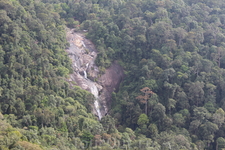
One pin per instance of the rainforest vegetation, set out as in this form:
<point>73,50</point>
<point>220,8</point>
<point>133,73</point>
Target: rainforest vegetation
<point>173,56</point>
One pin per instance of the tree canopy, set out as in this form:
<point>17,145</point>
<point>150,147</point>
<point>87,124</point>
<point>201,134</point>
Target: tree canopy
<point>173,56</point>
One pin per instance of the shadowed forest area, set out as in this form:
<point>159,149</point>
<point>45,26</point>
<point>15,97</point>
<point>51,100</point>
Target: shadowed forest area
<point>173,93</point>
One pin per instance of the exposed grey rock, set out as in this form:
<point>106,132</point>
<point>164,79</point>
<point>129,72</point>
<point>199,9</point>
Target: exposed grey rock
<point>86,74</point>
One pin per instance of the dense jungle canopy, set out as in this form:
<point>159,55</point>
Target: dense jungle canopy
<point>173,56</point>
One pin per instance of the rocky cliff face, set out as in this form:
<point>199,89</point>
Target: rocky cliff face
<point>82,52</point>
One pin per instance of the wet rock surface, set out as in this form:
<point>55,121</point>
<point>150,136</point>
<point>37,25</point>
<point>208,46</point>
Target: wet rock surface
<point>86,74</point>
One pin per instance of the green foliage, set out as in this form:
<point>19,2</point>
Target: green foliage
<point>143,119</point>
<point>173,47</point>
<point>35,96</point>
<point>86,138</point>
<point>11,138</point>
<point>176,48</point>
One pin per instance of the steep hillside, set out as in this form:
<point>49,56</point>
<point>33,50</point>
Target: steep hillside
<point>173,51</point>
<point>173,56</point>
<point>35,97</point>
<point>39,109</point>
<point>87,75</point>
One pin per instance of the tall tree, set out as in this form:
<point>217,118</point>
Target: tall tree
<point>144,98</point>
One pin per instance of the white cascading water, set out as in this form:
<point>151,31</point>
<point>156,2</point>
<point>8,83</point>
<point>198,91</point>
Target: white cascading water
<point>76,54</point>
<point>93,90</point>
<point>85,74</point>
<point>96,103</point>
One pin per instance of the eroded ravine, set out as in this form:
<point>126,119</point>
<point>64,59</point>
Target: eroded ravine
<point>82,52</point>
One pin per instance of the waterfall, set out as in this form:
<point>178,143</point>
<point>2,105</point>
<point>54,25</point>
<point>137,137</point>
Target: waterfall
<point>94,91</point>
<point>81,62</point>
<point>96,103</point>
<point>85,74</point>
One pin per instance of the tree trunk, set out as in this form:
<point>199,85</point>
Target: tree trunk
<point>146,104</point>
<point>146,107</point>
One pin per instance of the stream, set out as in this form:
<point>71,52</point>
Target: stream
<point>83,57</point>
